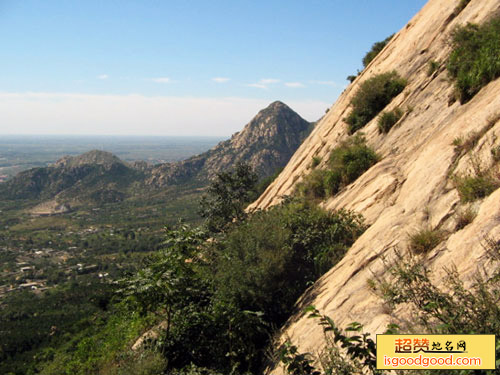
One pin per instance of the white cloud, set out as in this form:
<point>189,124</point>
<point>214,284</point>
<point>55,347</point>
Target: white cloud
<point>72,113</point>
<point>103,76</point>
<point>294,84</point>
<point>161,80</point>
<point>268,81</point>
<point>220,79</point>
<point>263,83</point>
<point>257,85</point>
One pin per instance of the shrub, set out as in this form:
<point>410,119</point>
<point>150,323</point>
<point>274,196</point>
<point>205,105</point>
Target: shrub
<point>432,67</point>
<point>348,161</point>
<point>424,240</point>
<point>465,217</point>
<point>372,97</point>
<point>495,153</point>
<point>460,6</point>
<point>315,161</point>
<point>312,185</point>
<point>388,119</point>
<point>471,188</point>
<point>475,57</point>
<point>268,261</point>
<point>462,310</point>
<point>375,50</point>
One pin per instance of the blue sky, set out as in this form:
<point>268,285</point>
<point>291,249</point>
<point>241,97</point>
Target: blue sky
<point>179,67</point>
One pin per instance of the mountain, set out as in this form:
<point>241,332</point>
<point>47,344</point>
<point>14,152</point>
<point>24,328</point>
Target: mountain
<point>266,143</point>
<point>96,175</point>
<point>412,186</point>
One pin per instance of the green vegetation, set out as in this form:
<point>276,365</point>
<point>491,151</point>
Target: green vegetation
<point>424,240</point>
<point>312,186</point>
<point>347,162</point>
<point>475,58</point>
<point>227,197</point>
<point>388,119</point>
<point>372,97</point>
<point>471,188</point>
<point>465,217</point>
<point>315,161</point>
<point>432,66</point>
<point>222,300</point>
<point>461,6</point>
<point>375,50</point>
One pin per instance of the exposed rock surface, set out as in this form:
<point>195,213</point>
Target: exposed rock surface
<point>266,143</point>
<point>410,187</point>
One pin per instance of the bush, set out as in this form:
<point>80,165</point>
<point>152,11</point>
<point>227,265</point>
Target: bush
<point>268,261</point>
<point>432,67</point>
<point>315,161</point>
<point>424,240</point>
<point>375,50</point>
<point>471,188</point>
<point>388,119</point>
<point>461,6</point>
<point>347,162</point>
<point>372,97</point>
<point>313,185</point>
<point>465,217</point>
<point>475,57</point>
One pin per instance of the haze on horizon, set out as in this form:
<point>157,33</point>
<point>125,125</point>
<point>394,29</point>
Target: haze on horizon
<point>178,69</point>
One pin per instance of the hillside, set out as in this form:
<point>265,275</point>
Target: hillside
<point>96,175</point>
<point>412,186</point>
<point>266,143</point>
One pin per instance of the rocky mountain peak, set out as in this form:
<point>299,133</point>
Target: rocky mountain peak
<point>266,143</point>
<point>93,157</point>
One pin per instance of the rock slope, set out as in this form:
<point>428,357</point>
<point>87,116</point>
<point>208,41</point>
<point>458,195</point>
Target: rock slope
<point>410,188</point>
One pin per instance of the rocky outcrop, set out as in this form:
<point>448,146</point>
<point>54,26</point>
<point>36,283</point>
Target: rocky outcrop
<point>410,187</point>
<point>266,143</point>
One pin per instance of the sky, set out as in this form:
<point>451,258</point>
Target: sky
<point>179,67</point>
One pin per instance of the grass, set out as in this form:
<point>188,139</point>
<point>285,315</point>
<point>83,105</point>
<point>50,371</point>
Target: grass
<point>424,240</point>
<point>471,188</point>
<point>465,217</point>
<point>432,67</point>
<point>475,57</point>
<point>388,119</point>
<point>372,97</point>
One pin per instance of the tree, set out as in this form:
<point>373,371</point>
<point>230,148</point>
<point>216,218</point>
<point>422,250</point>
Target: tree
<point>227,197</point>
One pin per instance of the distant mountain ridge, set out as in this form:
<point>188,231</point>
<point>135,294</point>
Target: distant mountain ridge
<point>266,143</point>
<point>71,176</point>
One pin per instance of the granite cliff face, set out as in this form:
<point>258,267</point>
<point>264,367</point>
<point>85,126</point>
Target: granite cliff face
<point>410,187</point>
<point>266,143</point>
